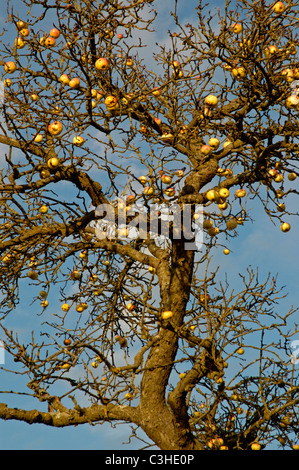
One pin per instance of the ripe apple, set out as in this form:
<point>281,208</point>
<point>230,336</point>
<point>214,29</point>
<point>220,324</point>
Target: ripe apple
<point>166,179</point>
<point>64,79</point>
<point>20,43</point>
<point>272,172</point>
<point>119,36</point>
<point>296,447</point>
<point>211,100</point>
<point>102,64</point>
<point>256,446</point>
<point>278,7</point>
<point>213,231</point>
<point>226,251</point>
<point>21,24</point>
<point>74,83</point>
<point>53,162</point>
<point>148,190</point>
<point>170,192</point>
<point>206,149</point>
<point>43,209</point>
<point>129,62</point>
<point>65,307</point>
<point>211,194</point>
<point>272,49</point>
<point>167,137</point>
<point>142,179</point>
<point>49,42</point>
<point>78,140</point>
<point>240,351</point>
<point>281,207</point>
<point>240,192</point>
<point>292,101</point>
<point>67,342</point>
<point>24,32</point>
<point>32,274</point>
<point>10,67</point>
<point>207,223</point>
<point>38,138</point>
<point>130,306</point>
<point>237,28</point>
<point>214,143</point>
<point>111,102</point>
<point>54,33</point>
<point>55,128</point>
<point>224,192</point>
<point>7,82</point>
<point>80,308</point>
<point>231,224</point>
<point>285,227</point>
<point>44,303</point>
<point>292,176</point>
<point>75,275</point>
<point>34,97</point>
<point>166,314</point>
<point>223,205</point>
<point>278,178</point>
<point>156,91</point>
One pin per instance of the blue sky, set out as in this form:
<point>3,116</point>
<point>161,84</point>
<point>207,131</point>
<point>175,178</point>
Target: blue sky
<point>259,244</point>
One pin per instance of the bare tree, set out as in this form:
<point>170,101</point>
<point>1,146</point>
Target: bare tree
<point>145,332</point>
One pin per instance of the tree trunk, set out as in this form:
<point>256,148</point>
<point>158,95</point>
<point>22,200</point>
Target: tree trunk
<point>162,422</point>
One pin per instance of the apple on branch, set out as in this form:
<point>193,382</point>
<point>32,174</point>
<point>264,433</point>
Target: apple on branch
<point>102,64</point>
<point>10,67</point>
<point>55,128</point>
<point>54,33</point>
<point>74,83</point>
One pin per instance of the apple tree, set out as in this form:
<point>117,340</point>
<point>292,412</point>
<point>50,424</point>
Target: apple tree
<point>105,147</point>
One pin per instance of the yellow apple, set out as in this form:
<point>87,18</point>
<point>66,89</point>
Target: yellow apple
<point>102,64</point>
<point>214,143</point>
<point>74,83</point>
<point>240,351</point>
<point>278,7</point>
<point>237,28</point>
<point>240,192</point>
<point>169,192</point>
<point>55,128</point>
<point>10,67</point>
<point>43,209</point>
<point>53,162</point>
<point>256,446</point>
<point>211,100</point>
<point>166,314</point>
<point>78,140</point>
<point>148,190</point>
<point>49,42</point>
<point>207,223</point>
<point>285,227</point>
<point>65,307</point>
<point>166,179</point>
<point>111,102</point>
<point>38,138</point>
<point>64,79</point>
<point>226,251</point>
<point>292,176</point>
<point>142,179</point>
<point>224,192</point>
